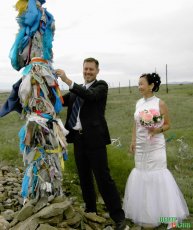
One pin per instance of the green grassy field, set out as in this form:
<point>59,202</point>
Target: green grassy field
<point>119,114</point>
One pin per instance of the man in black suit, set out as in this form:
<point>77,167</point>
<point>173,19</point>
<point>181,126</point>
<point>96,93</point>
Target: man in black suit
<point>90,135</point>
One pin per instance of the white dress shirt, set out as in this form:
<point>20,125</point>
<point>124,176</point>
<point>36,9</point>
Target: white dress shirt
<point>78,125</point>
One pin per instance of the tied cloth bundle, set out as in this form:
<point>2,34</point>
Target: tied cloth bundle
<point>38,98</point>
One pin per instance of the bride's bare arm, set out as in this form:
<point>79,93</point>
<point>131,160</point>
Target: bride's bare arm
<point>166,124</point>
<point>164,112</point>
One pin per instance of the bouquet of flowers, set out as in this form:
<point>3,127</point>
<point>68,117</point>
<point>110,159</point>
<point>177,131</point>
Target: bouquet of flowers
<point>151,118</point>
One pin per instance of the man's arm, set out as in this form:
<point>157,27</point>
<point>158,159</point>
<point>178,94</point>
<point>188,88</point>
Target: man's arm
<point>95,93</point>
<point>91,94</point>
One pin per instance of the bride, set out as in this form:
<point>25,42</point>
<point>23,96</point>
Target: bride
<point>151,195</point>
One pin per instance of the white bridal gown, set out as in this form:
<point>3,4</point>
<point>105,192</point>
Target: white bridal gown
<point>151,191</point>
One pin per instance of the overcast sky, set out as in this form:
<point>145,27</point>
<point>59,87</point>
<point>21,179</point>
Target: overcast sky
<point>127,37</point>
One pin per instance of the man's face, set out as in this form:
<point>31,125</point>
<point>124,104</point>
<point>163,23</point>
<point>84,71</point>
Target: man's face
<point>90,71</point>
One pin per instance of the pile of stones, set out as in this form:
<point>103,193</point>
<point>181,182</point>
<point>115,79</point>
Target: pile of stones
<point>10,188</point>
<point>47,213</point>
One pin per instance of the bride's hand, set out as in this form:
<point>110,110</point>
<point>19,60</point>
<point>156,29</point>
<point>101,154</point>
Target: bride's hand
<point>154,131</point>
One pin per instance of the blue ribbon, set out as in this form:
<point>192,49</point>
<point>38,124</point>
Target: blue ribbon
<point>25,183</point>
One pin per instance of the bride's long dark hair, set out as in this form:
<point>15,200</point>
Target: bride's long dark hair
<point>152,78</point>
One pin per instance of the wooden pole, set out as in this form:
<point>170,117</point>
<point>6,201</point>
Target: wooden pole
<point>167,78</point>
<point>129,86</point>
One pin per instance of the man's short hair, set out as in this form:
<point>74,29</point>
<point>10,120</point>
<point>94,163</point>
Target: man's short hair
<point>90,59</point>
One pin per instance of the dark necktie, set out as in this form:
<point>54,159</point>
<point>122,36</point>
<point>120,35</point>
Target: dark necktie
<point>74,114</point>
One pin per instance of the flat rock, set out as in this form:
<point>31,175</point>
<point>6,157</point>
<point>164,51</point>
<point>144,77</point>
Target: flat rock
<point>46,227</point>
<point>75,220</point>
<point>53,220</point>
<point>8,215</point>
<point>69,212</point>
<point>4,224</point>
<point>53,209</point>
<point>95,218</point>
<point>40,204</point>
<point>25,212</point>
<point>29,224</point>
<point>58,199</point>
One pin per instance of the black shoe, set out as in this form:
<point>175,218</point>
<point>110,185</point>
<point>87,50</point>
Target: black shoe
<point>92,211</point>
<point>122,225</point>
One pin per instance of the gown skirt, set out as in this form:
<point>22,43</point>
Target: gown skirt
<point>151,192</point>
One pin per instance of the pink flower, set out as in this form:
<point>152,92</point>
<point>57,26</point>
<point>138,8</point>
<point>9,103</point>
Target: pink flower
<point>154,112</point>
<point>146,116</point>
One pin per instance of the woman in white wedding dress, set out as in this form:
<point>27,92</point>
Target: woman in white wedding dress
<point>151,194</point>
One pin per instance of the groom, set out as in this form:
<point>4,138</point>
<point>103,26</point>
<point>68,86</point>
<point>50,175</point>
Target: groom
<point>90,135</point>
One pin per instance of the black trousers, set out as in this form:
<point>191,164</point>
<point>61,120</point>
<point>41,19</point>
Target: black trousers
<point>94,161</point>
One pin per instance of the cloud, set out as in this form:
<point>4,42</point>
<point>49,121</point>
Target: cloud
<point>127,37</point>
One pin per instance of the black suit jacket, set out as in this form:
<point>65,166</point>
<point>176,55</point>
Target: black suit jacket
<point>92,113</point>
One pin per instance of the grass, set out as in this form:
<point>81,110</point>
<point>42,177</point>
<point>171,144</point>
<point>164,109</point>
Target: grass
<point>119,114</point>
